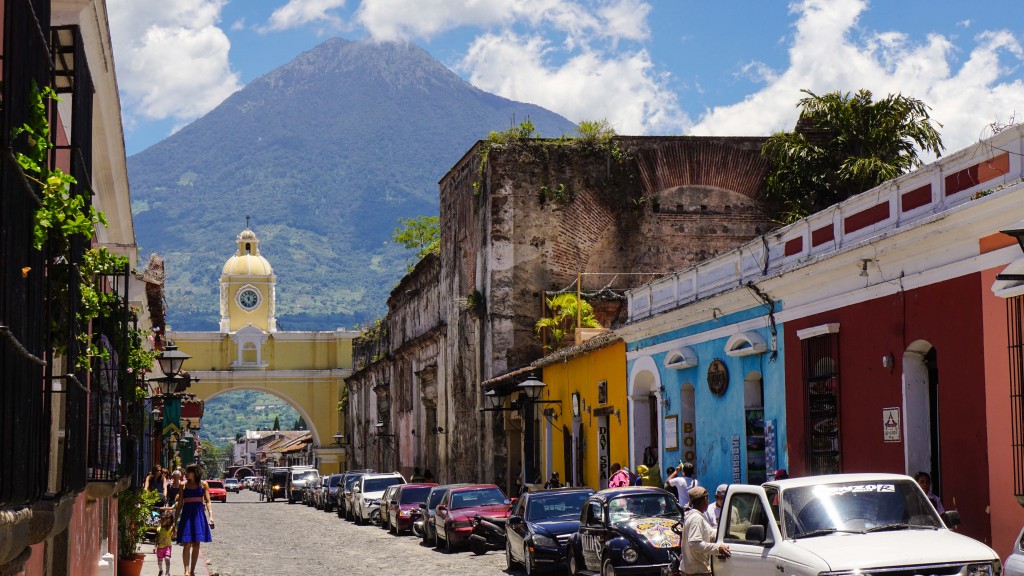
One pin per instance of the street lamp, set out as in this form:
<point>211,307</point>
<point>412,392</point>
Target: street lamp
<point>494,399</point>
<point>170,360</point>
<point>532,387</point>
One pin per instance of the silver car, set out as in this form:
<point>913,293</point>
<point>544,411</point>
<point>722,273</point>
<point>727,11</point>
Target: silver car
<point>1014,565</point>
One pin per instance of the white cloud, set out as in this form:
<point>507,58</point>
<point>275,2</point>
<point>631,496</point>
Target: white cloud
<point>622,88</point>
<point>301,12</point>
<point>826,55</point>
<point>579,21</point>
<point>171,57</point>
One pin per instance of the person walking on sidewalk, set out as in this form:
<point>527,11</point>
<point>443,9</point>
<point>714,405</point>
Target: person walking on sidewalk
<point>682,484</point>
<point>194,517</point>
<point>164,539</point>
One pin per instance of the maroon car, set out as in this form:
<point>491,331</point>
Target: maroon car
<point>453,518</point>
<point>404,507</point>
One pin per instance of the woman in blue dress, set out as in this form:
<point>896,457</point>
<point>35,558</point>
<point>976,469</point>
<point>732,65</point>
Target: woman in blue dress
<point>195,516</point>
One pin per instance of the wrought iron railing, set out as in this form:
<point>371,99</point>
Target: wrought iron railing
<point>24,428</point>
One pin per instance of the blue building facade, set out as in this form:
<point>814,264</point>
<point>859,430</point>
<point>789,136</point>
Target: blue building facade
<point>712,393</point>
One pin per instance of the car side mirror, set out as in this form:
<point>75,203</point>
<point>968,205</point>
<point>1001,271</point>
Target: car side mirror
<point>423,506</point>
<point>515,520</point>
<point>951,518</point>
<point>755,533</point>
<point>355,490</point>
<point>441,507</point>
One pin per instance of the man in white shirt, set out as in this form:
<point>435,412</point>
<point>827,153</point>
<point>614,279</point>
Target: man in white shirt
<point>696,543</point>
<point>714,513</point>
<point>682,484</point>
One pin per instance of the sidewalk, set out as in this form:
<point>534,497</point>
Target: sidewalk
<point>150,567</point>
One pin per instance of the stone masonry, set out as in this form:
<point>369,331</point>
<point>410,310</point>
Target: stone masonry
<point>538,213</point>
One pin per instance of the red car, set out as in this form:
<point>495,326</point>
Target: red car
<point>453,518</point>
<point>404,507</point>
<point>217,491</point>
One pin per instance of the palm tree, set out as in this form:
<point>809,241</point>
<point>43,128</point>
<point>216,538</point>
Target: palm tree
<point>844,144</point>
<point>564,309</point>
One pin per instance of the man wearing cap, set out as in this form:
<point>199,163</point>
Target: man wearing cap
<point>696,543</point>
<point>714,513</point>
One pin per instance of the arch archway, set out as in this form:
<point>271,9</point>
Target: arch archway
<point>921,411</point>
<point>303,412</point>
<point>643,392</point>
<point>243,472</point>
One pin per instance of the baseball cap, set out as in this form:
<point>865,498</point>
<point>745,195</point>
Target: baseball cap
<point>722,488</point>
<point>697,492</point>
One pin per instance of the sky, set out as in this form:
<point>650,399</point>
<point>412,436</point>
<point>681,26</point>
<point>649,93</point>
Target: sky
<point>649,67</point>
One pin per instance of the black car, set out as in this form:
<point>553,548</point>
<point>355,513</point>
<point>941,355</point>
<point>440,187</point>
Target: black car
<point>331,495</point>
<point>540,525</point>
<point>426,522</point>
<point>625,530</point>
<point>344,493</point>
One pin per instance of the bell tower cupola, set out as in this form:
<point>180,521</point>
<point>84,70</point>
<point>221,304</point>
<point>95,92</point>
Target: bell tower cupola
<point>248,295</point>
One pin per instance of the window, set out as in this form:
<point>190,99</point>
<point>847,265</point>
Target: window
<point>821,393</point>
<point>745,511</point>
<point>592,514</point>
<point>1015,331</point>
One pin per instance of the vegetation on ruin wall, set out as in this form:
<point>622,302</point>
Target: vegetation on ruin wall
<point>371,345</point>
<point>591,138</point>
<point>564,313</point>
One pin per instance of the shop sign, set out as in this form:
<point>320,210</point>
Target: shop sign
<point>718,377</point>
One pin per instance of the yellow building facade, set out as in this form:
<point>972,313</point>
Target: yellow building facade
<point>306,369</point>
<point>588,429</point>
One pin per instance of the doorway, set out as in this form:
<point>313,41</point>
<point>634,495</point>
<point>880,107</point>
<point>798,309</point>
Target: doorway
<point>921,412</point>
<point>753,410</point>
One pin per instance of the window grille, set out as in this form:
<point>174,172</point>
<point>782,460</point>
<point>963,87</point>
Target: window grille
<point>24,426</point>
<point>821,393</point>
<point>1015,341</point>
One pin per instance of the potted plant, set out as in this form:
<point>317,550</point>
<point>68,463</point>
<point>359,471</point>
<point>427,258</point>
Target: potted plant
<point>133,509</point>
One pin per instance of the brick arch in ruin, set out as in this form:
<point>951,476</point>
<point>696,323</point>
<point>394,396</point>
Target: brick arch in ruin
<point>703,192</point>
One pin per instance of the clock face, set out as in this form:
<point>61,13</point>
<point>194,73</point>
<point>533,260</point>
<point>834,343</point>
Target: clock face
<point>248,298</point>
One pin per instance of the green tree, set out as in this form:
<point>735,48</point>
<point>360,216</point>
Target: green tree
<point>300,424</point>
<point>422,234</point>
<point>844,144</point>
<point>277,423</point>
<point>561,321</point>
<point>211,459</point>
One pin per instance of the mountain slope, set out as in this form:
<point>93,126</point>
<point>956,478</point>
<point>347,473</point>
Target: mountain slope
<point>325,153</point>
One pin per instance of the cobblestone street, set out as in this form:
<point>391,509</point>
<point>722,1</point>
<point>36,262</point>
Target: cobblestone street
<point>255,538</point>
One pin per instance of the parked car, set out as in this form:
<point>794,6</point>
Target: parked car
<point>453,517</point>
<point>331,494</point>
<point>625,530</point>
<point>1014,565</point>
<point>309,496</point>
<point>217,491</point>
<point>385,501</point>
<point>345,492</point>
<point>539,526</point>
<point>277,479</point>
<point>367,493</point>
<point>844,523</point>
<point>231,485</point>
<point>424,527</point>
<point>318,493</point>
<point>404,507</point>
<point>299,478</point>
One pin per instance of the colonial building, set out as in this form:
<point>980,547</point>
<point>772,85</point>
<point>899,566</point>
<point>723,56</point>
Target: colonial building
<point>519,222</point>
<point>883,334</point>
<point>72,432</point>
<point>306,369</point>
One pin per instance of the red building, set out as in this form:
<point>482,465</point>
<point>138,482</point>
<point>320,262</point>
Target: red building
<point>896,341</point>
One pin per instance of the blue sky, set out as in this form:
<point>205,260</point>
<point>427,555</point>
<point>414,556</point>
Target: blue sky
<point>648,66</point>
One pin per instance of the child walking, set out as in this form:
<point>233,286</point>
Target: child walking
<point>164,537</point>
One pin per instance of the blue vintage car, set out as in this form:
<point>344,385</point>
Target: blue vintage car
<point>625,531</point>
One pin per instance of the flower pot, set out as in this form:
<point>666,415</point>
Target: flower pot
<point>130,567</point>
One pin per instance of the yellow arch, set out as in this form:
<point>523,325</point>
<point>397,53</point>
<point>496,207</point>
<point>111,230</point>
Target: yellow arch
<point>305,369</point>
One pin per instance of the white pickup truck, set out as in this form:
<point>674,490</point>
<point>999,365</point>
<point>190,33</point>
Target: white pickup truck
<point>844,524</point>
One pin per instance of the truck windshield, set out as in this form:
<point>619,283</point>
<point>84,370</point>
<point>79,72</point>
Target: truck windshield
<point>856,507</point>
